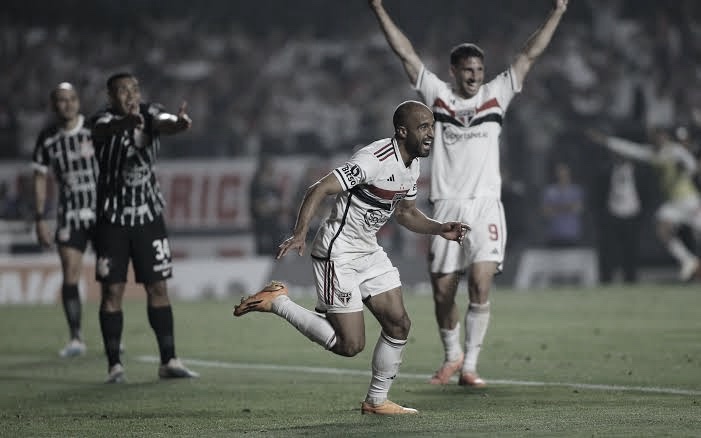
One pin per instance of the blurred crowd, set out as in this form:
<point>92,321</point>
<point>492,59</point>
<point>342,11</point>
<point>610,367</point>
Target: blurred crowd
<point>320,79</point>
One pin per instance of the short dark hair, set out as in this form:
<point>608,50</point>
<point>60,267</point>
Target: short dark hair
<point>117,76</point>
<point>465,50</point>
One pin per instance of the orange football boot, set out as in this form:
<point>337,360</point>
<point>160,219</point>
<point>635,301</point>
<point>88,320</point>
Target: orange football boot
<point>386,408</point>
<point>446,371</point>
<point>261,301</point>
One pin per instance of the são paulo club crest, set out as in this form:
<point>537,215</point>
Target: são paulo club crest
<point>374,218</point>
<point>343,296</point>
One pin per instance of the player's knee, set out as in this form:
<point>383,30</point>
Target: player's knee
<point>442,297</point>
<point>444,287</point>
<point>399,328</point>
<point>111,296</point>
<point>157,289</point>
<point>404,326</point>
<point>350,347</point>
<point>72,274</point>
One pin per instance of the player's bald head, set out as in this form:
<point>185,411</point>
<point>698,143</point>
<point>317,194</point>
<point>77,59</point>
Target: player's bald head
<point>63,86</point>
<point>406,110</point>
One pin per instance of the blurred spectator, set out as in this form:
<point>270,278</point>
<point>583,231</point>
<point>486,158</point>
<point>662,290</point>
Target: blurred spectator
<point>675,166</point>
<point>8,202</point>
<point>267,209</point>
<point>513,196</point>
<point>618,198</point>
<point>562,207</point>
<point>262,84</point>
<point>8,132</point>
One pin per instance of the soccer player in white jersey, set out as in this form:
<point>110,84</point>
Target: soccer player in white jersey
<point>350,267</point>
<point>466,179</point>
<point>676,167</point>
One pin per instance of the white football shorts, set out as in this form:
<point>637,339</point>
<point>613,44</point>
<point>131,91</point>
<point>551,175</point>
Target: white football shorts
<point>485,242</point>
<point>341,287</point>
<point>682,211</point>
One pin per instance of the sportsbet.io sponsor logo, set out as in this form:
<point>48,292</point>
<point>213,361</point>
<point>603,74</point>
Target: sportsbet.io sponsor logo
<point>351,173</point>
<point>452,136</point>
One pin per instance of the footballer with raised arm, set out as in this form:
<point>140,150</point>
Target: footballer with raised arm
<point>466,179</point>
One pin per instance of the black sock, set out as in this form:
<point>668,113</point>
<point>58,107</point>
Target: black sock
<point>72,308</point>
<point>111,324</point>
<point>161,320</point>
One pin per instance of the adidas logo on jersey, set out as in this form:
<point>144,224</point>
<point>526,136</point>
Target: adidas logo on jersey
<point>495,251</point>
<point>391,178</point>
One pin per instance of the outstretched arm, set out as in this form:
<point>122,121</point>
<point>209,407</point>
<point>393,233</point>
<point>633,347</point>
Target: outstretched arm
<point>537,43</point>
<point>328,185</point>
<point>107,125</point>
<point>399,43</point>
<point>415,220</point>
<point>625,148</point>
<point>172,124</point>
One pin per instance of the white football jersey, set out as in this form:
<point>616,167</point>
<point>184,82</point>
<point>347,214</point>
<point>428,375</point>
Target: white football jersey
<point>375,179</point>
<point>465,153</point>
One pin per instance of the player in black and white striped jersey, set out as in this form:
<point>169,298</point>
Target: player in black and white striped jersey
<point>65,146</point>
<point>130,223</point>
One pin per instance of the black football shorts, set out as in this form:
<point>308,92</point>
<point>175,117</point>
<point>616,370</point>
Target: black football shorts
<point>145,245</point>
<point>77,238</point>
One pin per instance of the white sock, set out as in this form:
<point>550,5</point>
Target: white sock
<point>476,322</point>
<point>679,251</point>
<point>451,343</point>
<point>310,324</point>
<point>385,365</point>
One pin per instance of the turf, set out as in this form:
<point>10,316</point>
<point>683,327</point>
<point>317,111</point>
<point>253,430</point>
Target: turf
<point>619,361</point>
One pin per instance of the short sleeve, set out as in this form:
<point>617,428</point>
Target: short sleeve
<point>429,86</point>
<point>361,168</point>
<point>40,156</point>
<point>504,87</point>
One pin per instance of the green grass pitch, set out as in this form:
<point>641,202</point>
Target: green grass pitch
<point>617,361</point>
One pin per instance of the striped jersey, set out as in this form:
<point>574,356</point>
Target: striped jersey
<point>71,157</point>
<point>374,180</point>
<point>128,190</point>
<point>465,152</point>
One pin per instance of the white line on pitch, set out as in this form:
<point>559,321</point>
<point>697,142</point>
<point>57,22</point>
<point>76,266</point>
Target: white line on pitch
<point>349,372</point>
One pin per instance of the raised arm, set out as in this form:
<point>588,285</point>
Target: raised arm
<point>415,220</point>
<point>328,185</point>
<point>538,42</point>
<point>398,42</point>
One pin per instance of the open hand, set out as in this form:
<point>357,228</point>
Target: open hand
<point>560,5</point>
<point>291,243</point>
<point>184,121</point>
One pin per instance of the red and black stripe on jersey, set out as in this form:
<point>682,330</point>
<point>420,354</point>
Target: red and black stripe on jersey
<point>386,152</point>
<point>128,190</point>
<point>71,158</point>
<point>377,197</point>
<point>449,115</point>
